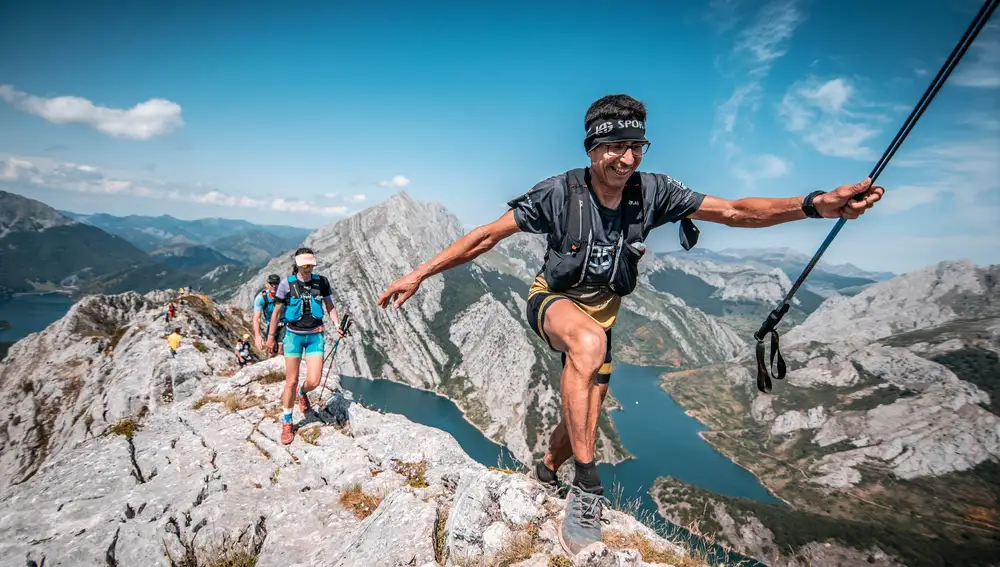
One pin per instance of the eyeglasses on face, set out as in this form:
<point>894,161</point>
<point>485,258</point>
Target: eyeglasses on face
<point>618,149</point>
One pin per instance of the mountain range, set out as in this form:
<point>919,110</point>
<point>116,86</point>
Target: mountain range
<point>237,240</point>
<point>464,335</point>
<point>890,403</point>
<point>890,399</point>
<point>42,249</point>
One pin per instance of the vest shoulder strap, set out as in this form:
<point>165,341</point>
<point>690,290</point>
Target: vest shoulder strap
<point>579,217</point>
<point>634,209</point>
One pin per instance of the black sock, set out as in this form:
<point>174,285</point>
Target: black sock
<point>586,477</point>
<point>544,473</point>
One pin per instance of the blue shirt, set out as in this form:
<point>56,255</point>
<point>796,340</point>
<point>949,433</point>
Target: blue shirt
<point>258,306</point>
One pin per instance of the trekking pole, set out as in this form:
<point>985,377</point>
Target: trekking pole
<point>771,322</point>
<point>345,325</point>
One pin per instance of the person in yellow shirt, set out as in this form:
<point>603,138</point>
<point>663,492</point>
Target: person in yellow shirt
<point>174,340</point>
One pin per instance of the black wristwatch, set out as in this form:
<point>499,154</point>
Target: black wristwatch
<point>807,205</point>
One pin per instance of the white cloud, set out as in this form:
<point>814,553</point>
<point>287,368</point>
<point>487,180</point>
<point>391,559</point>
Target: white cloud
<point>766,39</point>
<point>825,114</point>
<point>967,171</point>
<point>755,49</point>
<point>88,179</point>
<point>396,182</point>
<point>980,67</point>
<point>760,168</point>
<point>145,120</point>
<point>331,195</point>
<point>356,198</point>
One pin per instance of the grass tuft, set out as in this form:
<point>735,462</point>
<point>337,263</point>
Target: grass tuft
<point>651,553</point>
<point>126,427</point>
<point>414,472</point>
<point>359,502</point>
<point>310,434</point>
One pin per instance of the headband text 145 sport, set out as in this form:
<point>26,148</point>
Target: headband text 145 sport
<point>614,130</point>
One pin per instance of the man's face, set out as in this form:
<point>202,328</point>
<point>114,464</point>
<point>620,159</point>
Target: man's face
<point>306,270</point>
<point>613,163</point>
<point>271,288</point>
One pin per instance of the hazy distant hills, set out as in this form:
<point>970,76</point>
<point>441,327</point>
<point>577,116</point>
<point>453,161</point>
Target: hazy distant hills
<point>43,249</point>
<point>235,240</point>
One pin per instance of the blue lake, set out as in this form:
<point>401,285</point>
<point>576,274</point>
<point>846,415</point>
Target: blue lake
<point>31,314</point>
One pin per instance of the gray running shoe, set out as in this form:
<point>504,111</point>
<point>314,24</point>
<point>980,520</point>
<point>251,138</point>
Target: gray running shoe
<point>582,524</point>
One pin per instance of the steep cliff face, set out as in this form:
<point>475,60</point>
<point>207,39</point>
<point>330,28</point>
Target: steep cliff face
<point>464,333</point>
<point>126,455</point>
<point>890,401</point>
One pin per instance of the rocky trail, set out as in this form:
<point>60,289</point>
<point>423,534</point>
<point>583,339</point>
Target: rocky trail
<point>148,459</point>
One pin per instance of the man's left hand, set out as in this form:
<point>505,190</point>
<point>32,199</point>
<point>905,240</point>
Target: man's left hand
<point>840,202</point>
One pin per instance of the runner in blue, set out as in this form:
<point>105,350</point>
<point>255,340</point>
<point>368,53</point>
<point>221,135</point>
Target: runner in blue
<point>263,308</point>
<point>300,301</point>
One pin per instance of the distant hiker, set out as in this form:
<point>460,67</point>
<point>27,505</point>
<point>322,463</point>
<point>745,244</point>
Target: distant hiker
<point>171,311</point>
<point>174,341</point>
<point>300,300</point>
<point>596,220</point>
<point>263,308</point>
<point>243,356</point>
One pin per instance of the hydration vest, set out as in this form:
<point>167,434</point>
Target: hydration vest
<point>305,303</point>
<point>268,309</point>
<point>566,261</point>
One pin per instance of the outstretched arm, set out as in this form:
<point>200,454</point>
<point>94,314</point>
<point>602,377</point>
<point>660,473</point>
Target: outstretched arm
<point>757,212</point>
<point>479,240</point>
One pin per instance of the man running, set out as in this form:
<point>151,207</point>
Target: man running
<point>596,220</point>
<point>263,308</point>
<point>300,301</point>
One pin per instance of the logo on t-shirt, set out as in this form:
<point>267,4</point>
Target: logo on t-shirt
<point>600,259</point>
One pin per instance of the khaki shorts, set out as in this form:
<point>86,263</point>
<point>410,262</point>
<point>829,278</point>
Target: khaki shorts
<point>538,304</point>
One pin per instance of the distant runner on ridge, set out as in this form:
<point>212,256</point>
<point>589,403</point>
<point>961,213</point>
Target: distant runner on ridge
<point>263,308</point>
<point>596,220</point>
<point>300,300</point>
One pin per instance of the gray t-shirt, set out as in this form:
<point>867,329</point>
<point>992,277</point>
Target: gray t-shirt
<point>542,210</point>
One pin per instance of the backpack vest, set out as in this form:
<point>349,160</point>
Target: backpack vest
<point>269,302</point>
<point>305,305</point>
<point>566,261</point>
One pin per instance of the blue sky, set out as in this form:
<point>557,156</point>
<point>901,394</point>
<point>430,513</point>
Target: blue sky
<point>304,116</point>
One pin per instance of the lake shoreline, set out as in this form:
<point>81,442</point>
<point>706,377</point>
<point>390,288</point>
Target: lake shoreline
<point>701,434</point>
<point>465,416</point>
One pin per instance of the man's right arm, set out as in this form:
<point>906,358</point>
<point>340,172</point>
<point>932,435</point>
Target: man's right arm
<point>467,248</point>
<point>477,241</point>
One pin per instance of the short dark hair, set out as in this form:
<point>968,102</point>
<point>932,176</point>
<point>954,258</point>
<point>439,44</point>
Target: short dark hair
<point>274,279</point>
<point>615,106</point>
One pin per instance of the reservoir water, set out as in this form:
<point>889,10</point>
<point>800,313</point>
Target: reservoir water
<point>31,313</point>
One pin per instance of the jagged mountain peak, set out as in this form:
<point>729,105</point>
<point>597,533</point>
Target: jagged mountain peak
<point>915,300</point>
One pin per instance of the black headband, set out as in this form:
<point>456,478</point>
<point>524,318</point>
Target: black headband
<point>614,130</point>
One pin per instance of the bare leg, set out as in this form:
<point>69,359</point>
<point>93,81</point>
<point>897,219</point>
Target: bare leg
<point>314,371</point>
<point>572,331</point>
<point>560,449</point>
<point>291,381</point>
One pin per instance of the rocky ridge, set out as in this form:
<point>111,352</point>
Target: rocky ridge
<point>127,455</point>
<point>888,402</point>
<point>464,334</point>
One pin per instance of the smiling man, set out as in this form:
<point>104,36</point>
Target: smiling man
<point>596,220</point>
